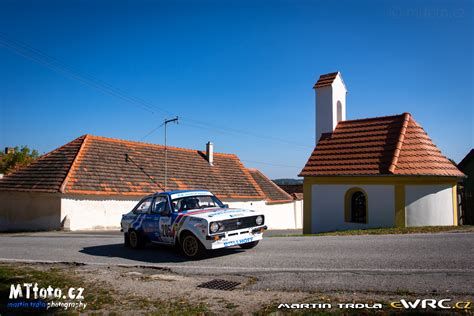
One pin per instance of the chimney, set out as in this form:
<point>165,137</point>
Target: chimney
<point>330,103</point>
<point>9,150</point>
<point>210,153</point>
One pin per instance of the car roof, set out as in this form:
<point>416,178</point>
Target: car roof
<point>180,192</point>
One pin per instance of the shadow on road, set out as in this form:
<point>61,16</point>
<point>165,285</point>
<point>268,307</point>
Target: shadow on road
<point>151,253</point>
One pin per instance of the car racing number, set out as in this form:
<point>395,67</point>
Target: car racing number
<point>165,229</point>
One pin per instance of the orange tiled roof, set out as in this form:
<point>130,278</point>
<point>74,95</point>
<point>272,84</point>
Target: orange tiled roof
<point>272,191</point>
<point>106,166</point>
<point>326,80</point>
<point>47,173</point>
<point>390,145</point>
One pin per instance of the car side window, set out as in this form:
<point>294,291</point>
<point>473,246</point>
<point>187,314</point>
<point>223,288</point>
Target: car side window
<point>159,204</point>
<point>144,206</point>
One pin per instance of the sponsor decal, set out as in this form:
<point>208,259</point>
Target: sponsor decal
<point>231,213</point>
<point>32,296</point>
<point>195,220</point>
<point>237,242</point>
<point>184,194</point>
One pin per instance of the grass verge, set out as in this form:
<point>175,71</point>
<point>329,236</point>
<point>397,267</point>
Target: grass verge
<point>99,297</point>
<point>389,231</point>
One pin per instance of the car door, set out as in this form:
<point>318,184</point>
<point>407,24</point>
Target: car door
<point>151,220</point>
<point>165,221</point>
<point>139,214</point>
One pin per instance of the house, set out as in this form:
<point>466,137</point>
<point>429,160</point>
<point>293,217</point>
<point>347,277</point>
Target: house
<point>91,181</point>
<point>295,190</point>
<point>467,201</point>
<point>373,172</point>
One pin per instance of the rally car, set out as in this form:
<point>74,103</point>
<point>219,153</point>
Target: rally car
<point>194,220</point>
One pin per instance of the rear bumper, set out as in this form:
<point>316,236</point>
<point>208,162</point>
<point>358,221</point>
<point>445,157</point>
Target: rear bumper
<point>234,238</point>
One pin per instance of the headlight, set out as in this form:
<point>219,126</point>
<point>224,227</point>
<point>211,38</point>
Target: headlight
<point>214,227</point>
<point>259,220</point>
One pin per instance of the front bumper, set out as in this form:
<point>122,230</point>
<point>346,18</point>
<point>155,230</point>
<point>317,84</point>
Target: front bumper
<point>234,238</point>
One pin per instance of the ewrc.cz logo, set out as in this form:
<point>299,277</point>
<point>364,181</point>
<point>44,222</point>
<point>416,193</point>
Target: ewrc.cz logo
<point>431,303</point>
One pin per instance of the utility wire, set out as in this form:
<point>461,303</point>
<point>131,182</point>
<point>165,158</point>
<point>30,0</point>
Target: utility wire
<point>152,131</point>
<point>234,131</point>
<point>270,164</point>
<point>48,61</point>
<point>222,131</point>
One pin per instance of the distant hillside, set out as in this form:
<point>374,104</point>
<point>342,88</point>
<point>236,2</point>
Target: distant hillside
<point>288,181</point>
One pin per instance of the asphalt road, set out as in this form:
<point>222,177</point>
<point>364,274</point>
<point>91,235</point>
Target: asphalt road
<point>418,263</point>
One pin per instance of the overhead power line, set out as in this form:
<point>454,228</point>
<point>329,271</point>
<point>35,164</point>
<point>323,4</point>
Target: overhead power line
<point>270,164</point>
<point>52,63</point>
<point>152,131</point>
<point>237,133</point>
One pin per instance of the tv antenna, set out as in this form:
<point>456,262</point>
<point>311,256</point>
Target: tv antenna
<point>175,120</point>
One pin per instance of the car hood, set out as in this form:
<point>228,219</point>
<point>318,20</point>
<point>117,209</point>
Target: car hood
<point>219,214</point>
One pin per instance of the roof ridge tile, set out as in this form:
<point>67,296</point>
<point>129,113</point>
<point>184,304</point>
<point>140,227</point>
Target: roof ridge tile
<point>398,146</point>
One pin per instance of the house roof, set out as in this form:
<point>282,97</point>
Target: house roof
<point>466,160</point>
<point>47,173</point>
<point>390,145</point>
<point>297,196</point>
<point>326,80</point>
<point>291,188</point>
<point>273,192</point>
<point>107,166</point>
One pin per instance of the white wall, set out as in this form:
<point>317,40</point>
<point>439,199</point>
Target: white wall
<point>328,207</point>
<point>90,212</point>
<point>277,216</point>
<point>429,205</point>
<point>324,111</point>
<point>23,211</point>
<point>326,106</point>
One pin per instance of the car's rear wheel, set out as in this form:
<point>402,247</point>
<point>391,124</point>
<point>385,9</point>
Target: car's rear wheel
<point>249,245</point>
<point>135,239</point>
<point>191,246</point>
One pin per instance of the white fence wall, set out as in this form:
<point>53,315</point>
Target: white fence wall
<point>24,211</point>
<point>277,216</point>
<point>88,213</point>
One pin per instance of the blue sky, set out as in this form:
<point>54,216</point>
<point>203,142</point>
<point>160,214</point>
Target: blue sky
<point>232,65</point>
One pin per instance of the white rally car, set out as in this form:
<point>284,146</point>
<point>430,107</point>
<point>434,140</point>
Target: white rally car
<point>195,220</point>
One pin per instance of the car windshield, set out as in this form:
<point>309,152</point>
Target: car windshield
<point>195,202</point>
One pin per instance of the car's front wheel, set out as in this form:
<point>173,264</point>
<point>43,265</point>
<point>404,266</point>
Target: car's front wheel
<point>135,240</point>
<point>249,245</point>
<point>126,240</point>
<point>191,246</point>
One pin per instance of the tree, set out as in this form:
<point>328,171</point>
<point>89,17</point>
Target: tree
<point>16,159</point>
